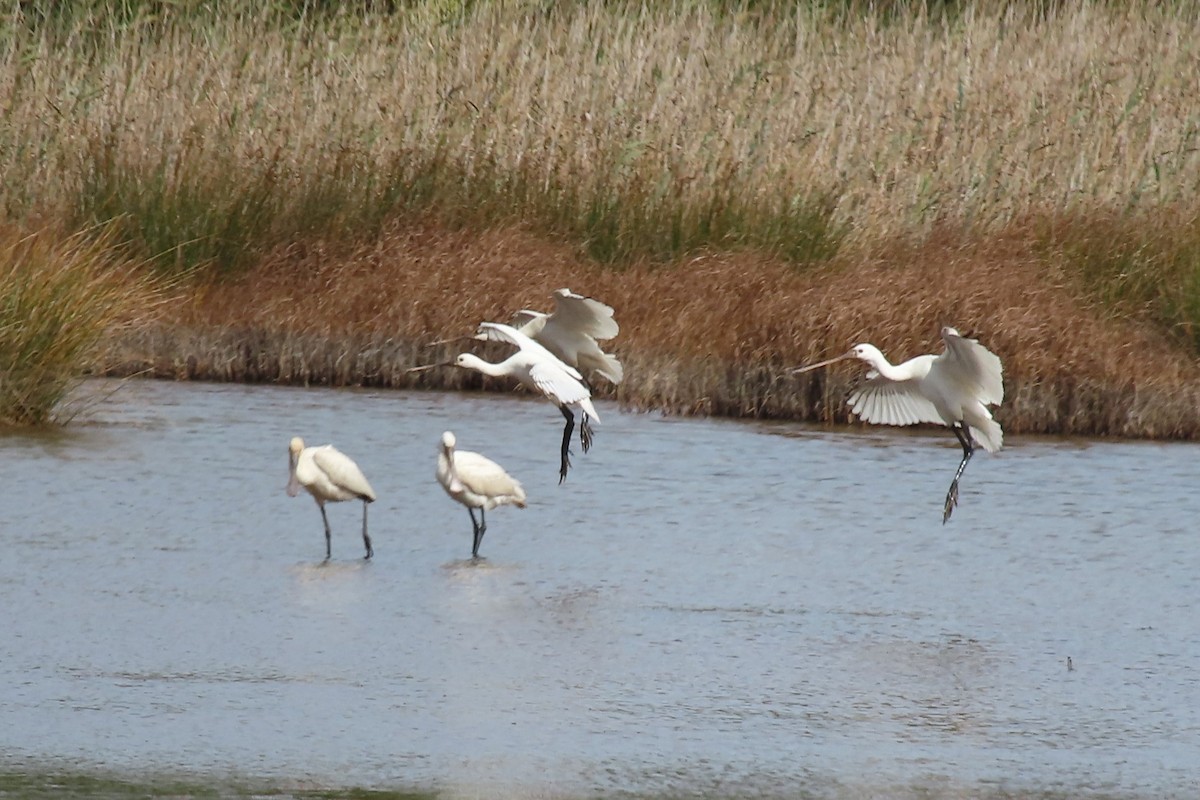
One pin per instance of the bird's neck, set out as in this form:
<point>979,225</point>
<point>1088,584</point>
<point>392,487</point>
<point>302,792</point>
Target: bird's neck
<point>888,370</point>
<point>479,365</point>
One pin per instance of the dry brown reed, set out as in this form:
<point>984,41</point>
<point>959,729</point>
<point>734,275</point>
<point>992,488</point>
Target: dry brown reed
<point>713,334</point>
<point>387,182</point>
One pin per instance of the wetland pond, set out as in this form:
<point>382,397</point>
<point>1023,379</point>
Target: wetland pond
<point>704,608</point>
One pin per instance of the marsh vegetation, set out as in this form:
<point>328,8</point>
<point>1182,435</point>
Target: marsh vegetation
<point>751,184</point>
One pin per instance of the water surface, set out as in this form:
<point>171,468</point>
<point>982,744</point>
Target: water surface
<point>704,606</point>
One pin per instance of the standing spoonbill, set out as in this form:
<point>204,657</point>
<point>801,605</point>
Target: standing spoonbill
<point>329,475</point>
<point>476,482</point>
<point>540,370</point>
<point>571,332</point>
<point>954,388</point>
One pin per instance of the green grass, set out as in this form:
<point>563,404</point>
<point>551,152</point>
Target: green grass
<point>1141,265</point>
<point>59,297</point>
<point>71,785</point>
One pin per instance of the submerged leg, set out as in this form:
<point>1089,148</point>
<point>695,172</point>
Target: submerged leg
<point>963,432</point>
<point>366,539</point>
<point>566,442</point>
<point>585,433</point>
<point>325,519</point>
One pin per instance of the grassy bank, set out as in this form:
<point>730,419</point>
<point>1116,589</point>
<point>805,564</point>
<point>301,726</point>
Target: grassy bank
<point>750,185</point>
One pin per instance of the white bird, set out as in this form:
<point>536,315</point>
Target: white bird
<point>329,475</point>
<point>571,333</point>
<point>476,482</point>
<point>954,388</point>
<point>543,372</point>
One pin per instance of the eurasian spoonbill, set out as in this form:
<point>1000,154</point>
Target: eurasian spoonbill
<point>476,482</point>
<point>329,475</point>
<point>572,330</point>
<point>543,372</point>
<point>954,388</point>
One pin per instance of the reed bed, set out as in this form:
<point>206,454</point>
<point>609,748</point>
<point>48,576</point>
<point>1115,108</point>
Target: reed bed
<point>635,131</point>
<point>363,314</point>
<point>750,185</point>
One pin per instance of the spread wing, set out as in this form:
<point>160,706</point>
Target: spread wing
<point>583,315</point>
<point>888,402</point>
<point>529,322</point>
<point>973,367</point>
<point>342,471</point>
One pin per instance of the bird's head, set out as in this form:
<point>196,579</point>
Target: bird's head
<point>866,352</point>
<point>295,446</point>
<point>448,441</point>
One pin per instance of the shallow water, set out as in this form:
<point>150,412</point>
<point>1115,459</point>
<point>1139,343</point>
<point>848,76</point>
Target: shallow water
<point>704,606</point>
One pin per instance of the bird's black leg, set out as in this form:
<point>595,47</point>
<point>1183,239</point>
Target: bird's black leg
<point>480,532</point>
<point>366,539</point>
<point>566,442</point>
<point>963,432</point>
<point>585,432</point>
<point>476,531</point>
<point>325,519</point>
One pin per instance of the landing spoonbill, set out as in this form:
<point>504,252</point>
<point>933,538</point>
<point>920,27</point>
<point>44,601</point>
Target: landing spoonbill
<point>476,482</point>
<point>954,388</point>
<point>329,475</point>
<point>572,330</point>
<point>540,370</point>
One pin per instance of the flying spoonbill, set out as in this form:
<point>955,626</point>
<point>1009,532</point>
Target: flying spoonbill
<point>954,388</point>
<point>476,482</point>
<point>572,330</point>
<point>543,372</point>
<point>329,475</point>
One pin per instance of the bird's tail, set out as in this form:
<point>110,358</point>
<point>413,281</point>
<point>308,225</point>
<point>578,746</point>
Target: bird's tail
<point>984,429</point>
<point>589,409</point>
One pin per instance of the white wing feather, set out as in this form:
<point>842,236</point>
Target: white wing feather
<point>887,402</point>
<point>342,471</point>
<point>973,367</point>
<point>584,315</point>
<point>552,382</point>
<point>529,322</point>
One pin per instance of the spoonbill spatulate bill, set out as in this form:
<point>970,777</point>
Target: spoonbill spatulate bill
<point>477,482</point>
<point>572,331</point>
<point>540,371</point>
<point>330,476</point>
<point>954,388</point>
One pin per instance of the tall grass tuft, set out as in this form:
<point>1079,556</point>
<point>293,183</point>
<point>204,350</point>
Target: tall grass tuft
<point>59,297</point>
